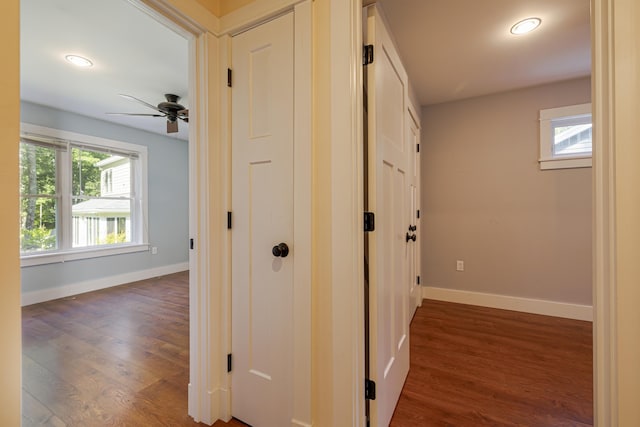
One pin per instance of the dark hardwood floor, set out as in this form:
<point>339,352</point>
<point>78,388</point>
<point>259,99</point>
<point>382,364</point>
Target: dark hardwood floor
<point>120,357</point>
<point>475,366</point>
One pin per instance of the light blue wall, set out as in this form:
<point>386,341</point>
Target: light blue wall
<point>168,203</point>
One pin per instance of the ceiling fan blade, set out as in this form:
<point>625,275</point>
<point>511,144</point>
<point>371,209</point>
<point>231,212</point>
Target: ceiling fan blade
<point>136,114</point>
<point>183,115</point>
<point>172,126</point>
<point>133,98</point>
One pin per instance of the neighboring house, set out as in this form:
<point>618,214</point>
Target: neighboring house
<point>106,219</point>
<point>574,140</point>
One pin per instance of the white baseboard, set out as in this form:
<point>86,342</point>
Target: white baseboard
<point>526,305</point>
<point>64,291</point>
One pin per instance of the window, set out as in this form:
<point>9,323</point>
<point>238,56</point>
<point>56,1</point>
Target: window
<point>565,137</point>
<point>80,196</point>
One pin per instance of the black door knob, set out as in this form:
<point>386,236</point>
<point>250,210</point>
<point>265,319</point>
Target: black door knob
<point>280,250</point>
<point>411,237</point>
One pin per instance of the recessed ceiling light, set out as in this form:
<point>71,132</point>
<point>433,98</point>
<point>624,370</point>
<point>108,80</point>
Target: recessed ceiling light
<point>525,26</point>
<point>79,61</point>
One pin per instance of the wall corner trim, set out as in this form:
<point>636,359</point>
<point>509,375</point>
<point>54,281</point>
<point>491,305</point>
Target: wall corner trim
<point>504,302</point>
<point>35,297</point>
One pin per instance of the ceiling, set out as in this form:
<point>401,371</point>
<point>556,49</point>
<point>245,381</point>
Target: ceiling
<point>452,49</point>
<point>132,53</point>
<point>456,49</point>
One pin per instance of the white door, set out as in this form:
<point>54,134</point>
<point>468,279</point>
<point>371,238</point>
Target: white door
<point>262,200</point>
<point>415,292</point>
<point>389,199</point>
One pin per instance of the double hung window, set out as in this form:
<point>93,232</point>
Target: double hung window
<point>80,196</point>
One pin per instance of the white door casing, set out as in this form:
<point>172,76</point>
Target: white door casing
<point>389,196</point>
<point>262,206</point>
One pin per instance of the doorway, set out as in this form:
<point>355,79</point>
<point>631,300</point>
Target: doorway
<point>168,247</point>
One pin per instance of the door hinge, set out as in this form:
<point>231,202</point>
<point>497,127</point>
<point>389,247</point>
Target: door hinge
<point>369,221</point>
<point>418,148</point>
<point>418,213</point>
<point>367,54</point>
<point>191,243</point>
<point>418,280</point>
<point>229,77</point>
<point>229,362</point>
<point>229,220</point>
<point>369,390</point>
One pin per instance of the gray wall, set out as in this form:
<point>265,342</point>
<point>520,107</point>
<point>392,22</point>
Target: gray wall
<point>168,202</point>
<point>521,232</point>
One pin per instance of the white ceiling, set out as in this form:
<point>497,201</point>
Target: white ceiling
<point>456,49</point>
<point>133,54</point>
<point>452,49</point>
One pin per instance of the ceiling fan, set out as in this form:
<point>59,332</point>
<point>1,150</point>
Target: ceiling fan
<point>169,109</point>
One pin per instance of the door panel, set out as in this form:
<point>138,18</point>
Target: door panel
<point>415,291</point>
<point>388,196</point>
<point>262,200</point>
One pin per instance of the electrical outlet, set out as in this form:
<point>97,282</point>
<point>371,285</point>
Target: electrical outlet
<point>459,265</point>
<point>154,250</point>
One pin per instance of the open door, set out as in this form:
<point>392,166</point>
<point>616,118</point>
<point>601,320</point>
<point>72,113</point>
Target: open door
<point>413,133</point>
<point>389,245</point>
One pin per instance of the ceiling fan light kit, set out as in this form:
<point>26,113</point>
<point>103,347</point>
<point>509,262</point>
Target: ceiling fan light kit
<point>170,109</point>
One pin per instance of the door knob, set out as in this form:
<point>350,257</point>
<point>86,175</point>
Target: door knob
<point>413,227</point>
<point>280,250</point>
<point>411,237</point>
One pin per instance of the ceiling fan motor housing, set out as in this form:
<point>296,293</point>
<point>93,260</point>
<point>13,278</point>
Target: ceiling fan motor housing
<point>171,106</point>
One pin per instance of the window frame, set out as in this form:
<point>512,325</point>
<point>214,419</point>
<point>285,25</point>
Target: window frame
<point>547,159</point>
<point>139,214</point>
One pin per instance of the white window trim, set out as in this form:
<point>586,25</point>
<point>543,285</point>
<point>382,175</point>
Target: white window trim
<point>547,160</point>
<point>141,235</point>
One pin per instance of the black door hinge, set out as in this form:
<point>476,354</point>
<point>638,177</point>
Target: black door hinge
<point>229,362</point>
<point>418,280</point>
<point>418,148</point>
<point>418,213</point>
<point>369,221</point>
<point>369,390</point>
<point>229,77</point>
<point>367,54</point>
<point>191,243</point>
<point>229,220</point>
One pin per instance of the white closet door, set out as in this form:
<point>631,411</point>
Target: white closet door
<point>415,291</point>
<point>262,200</point>
<point>390,200</point>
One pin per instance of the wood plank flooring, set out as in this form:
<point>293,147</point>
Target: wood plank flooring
<point>120,357</point>
<point>475,366</point>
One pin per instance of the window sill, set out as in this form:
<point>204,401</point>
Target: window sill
<point>564,163</point>
<point>78,254</point>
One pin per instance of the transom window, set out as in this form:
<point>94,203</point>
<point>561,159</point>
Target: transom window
<point>566,137</point>
<point>80,196</point>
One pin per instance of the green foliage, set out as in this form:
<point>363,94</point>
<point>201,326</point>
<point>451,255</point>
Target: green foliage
<point>39,192</point>
<point>37,177</point>
<point>37,239</point>
<point>85,175</point>
<point>114,238</point>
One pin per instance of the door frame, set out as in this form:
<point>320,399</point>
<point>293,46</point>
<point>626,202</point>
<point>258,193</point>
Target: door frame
<point>206,260</point>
